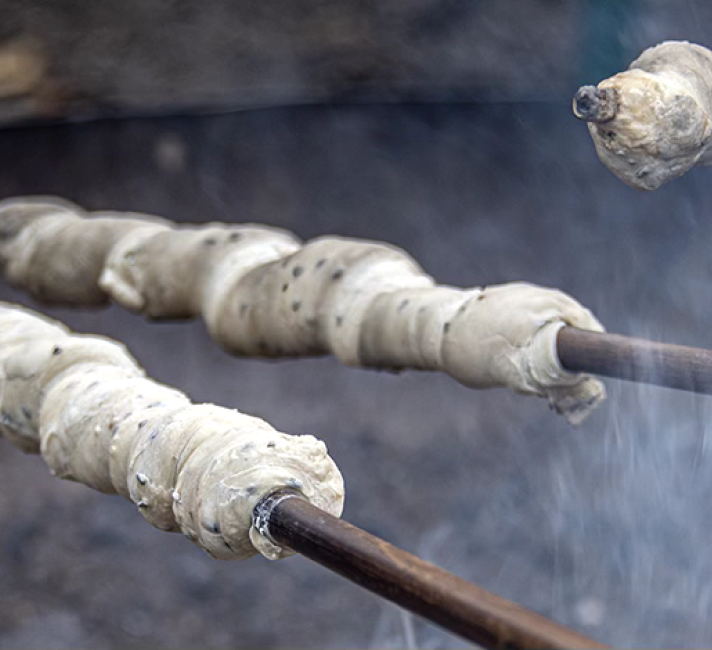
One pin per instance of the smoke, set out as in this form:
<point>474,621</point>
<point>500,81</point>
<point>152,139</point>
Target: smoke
<point>605,528</point>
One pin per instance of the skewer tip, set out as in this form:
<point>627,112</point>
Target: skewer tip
<point>593,104</point>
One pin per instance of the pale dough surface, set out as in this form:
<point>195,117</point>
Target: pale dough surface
<point>263,293</point>
<point>84,402</point>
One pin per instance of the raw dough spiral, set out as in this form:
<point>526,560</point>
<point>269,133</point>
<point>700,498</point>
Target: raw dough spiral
<point>262,293</point>
<point>96,418</point>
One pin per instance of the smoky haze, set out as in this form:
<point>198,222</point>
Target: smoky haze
<point>604,528</point>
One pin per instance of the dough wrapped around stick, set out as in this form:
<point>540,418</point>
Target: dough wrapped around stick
<point>653,122</point>
<point>261,292</point>
<point>86,405</point>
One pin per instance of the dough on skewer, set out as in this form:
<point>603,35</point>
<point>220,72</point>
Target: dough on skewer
<point>86,405</point>
<point>653,122</point>
<point>262,293</point>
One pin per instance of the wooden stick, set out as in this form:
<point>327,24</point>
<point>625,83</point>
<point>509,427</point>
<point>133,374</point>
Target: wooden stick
<point>412,583</point>
<point>623,357</point>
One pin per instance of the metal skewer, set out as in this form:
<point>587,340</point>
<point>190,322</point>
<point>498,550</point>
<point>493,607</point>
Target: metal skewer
<point>451,602</point>
<point>623,357</point>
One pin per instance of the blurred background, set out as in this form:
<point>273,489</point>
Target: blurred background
<point>444,127</point>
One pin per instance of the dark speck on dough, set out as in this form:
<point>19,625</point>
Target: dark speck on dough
<point>446,328</point>
<point>337,275</point>
<point>142,424</point>
<point>210,241</point>
<point>57,350</point>
<point>243,309</point>
<point>339,321</point>
<point>234,236</point>
<point>297,271</point>
<point>403,305</point>
<point>321,263</point>
<point>296,305</point>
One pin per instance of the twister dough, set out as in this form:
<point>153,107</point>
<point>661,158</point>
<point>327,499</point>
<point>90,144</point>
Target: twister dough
<point>262,293</point>
<point>653,122</point>
<point>197,468</point>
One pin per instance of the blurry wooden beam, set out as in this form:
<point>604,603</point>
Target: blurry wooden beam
<point>70,60</point>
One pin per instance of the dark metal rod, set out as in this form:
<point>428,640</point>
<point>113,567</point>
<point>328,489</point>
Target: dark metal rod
<point>623,357</point>
<point>412,583</point>
<point>593,104</point>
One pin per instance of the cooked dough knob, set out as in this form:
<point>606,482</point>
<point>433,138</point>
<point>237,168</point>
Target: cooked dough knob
<point>653,122</point>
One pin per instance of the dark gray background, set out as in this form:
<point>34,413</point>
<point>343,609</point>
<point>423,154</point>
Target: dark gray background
<point>605,528</point>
